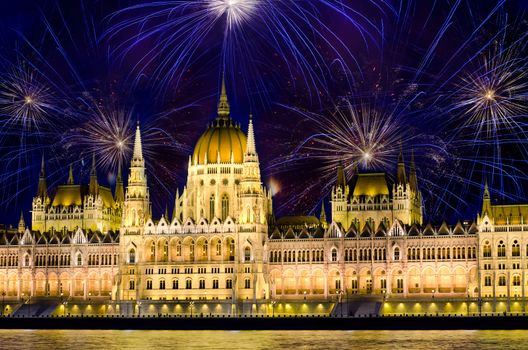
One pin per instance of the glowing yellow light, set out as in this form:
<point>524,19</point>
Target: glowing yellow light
<point>367,156</point>
<point>489,95</point>
<point>28,100</point>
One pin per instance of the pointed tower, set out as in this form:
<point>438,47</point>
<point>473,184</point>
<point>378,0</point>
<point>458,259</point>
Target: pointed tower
<point>339,201</point>
<point>94,185</point>
<point>223,103</point>
<point>401,178</point>
<point>322,217</point>
<point>486,201</point>
<point>70,176</point>
<point>42,191</point>
<point>413,179</point>
<point>415,196</point>
<point>254,206</point>
<point>21,223</point>
<point>340,178</point>
<point>119,191</point>
<point>40,202</point>
<point>137,199</point>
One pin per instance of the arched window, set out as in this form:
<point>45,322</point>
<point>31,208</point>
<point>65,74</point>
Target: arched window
<point>334,254</point>
<point>191,251</point>
<point>219,247</point>
<point>516,249</point>
<point>204,249</point>
<point>487,281</point>
<point>247,283</point>
<point>225,206</point>
<point>132,256</point>
<point>231,250</point>
<point>396,254</point>
<point>26,260</point>
<point>516,280</point>
<point>162,284</point>
<point>502,280</point>
<point>152,251</point>
<point>178,248</point>
<point>165,251</point>
<point>247,254</point>
<point>501,249</point>
<point>212,207</point>
<point>79,259</point>
<point>175,284</point>
<point>486,250</point>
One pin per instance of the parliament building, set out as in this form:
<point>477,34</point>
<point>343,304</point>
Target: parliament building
<point>223,244</point>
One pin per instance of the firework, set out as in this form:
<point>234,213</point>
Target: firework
<point>493,97</point>
<point>250,38</point>
<point>25,101</point>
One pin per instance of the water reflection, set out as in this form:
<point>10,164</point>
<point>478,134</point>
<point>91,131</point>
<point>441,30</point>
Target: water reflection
<point>103,339</point>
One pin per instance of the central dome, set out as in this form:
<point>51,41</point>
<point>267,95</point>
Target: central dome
<point>224,137</point>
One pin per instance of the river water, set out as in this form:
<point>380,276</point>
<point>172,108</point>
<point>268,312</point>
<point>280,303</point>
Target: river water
<point>291,340</point>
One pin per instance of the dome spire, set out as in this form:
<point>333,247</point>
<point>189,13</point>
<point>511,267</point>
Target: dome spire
<point>223,103</point>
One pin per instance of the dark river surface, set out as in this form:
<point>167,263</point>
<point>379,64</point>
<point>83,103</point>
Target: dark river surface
<point>362,340</point>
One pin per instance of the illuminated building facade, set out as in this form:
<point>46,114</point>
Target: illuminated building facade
<point>223,243</point>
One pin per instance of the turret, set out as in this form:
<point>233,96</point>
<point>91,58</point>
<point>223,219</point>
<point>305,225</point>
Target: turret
<point>21,223</point>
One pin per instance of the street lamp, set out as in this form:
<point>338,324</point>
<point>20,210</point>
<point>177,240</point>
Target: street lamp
<point>139,308</point>
<point>273,302</point>
<point>304,295</point>
<point>433,293</point>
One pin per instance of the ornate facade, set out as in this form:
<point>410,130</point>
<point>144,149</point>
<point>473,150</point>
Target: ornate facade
<point>222,242</point>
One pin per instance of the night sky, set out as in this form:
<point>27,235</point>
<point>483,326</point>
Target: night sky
<point>326,82</point>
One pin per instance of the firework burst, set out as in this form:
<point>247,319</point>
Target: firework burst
<point>25,101</point>
<point>257,40</point>
<point>493,97</point>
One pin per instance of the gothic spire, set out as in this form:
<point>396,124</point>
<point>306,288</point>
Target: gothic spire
<point>42,190</point>
<point>341,180</point>
<point>401,177</point>
<point>119,192</point>
<point>70,175</point>
<point>223,103</point>
<point>486,200</point>
<point>413,179</point>
<point>93,178</point>
<point>21,223</point>
<point>251,148</point>
<point>137,157</point>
